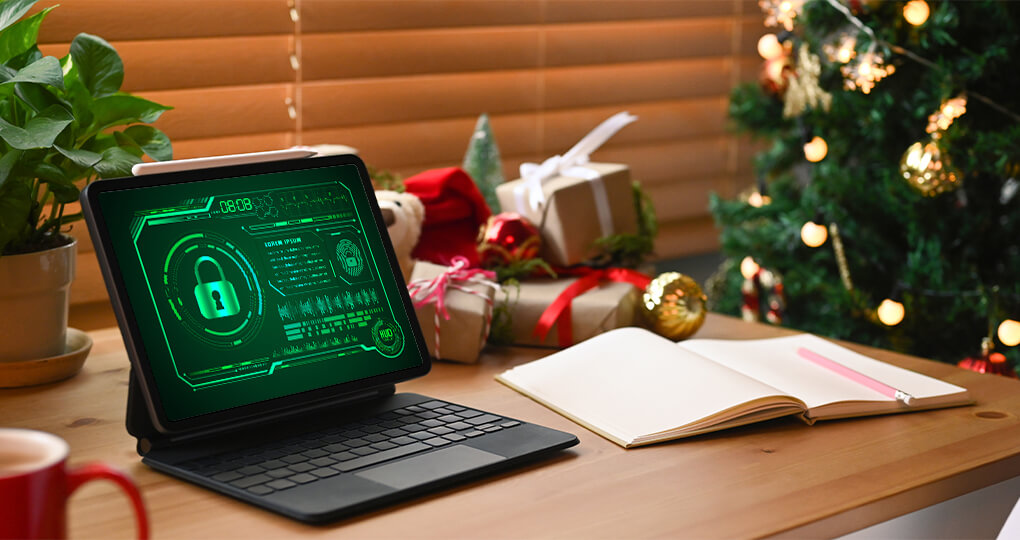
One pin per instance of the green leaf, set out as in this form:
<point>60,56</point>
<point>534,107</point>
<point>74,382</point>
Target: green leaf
<point>38,97</point>
<point>126,143</point>
<point>39,132</point>
<point>46,70</point>
<point>12,10</point>
<point>21,36</point>
<point>7,163</point>
<point>15,206</point>
<point>50,173</point>
<point>123,109</point>
<point>116,162</point>
<point>82,158</point>
<point>152,141</point>
<point>99,66</point>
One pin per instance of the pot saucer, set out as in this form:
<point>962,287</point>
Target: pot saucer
<point>46,370</point>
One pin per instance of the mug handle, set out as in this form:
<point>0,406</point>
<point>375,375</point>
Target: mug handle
<point>100,471</point>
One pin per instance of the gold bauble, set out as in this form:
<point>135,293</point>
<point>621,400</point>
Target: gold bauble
<point>929,172</point>
<point>673,305</point>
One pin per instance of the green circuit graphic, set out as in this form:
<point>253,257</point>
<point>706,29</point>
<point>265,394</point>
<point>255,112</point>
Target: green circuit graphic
<point>273,280</point>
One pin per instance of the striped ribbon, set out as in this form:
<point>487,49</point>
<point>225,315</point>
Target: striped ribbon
<point>458,277</point>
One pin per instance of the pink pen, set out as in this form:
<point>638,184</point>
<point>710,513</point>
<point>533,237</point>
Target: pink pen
<point>855,376</point>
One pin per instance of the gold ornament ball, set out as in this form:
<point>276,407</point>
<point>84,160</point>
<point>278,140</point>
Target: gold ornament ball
<point>929,172</point>
<point>674,305</point>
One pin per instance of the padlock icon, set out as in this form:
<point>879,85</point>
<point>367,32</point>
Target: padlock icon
<point>216,299</point>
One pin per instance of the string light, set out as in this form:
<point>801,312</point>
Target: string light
<point>758,200</point>
<point>916,12</point>
<point>843,51</point>
<point>813,234</point>
<point>949,111</point>
<point>890,312</point>
<point>748,268</point>
<point>781,12</point>
<point>1009,332</point>
<point>816,149</point>
<point>769,46</point>
<point>863,72</point>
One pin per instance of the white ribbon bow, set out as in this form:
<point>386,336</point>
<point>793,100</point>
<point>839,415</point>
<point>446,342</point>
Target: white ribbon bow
<point>529,193</point>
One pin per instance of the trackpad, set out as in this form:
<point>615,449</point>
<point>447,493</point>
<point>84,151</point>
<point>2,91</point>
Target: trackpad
<point>440,464</point>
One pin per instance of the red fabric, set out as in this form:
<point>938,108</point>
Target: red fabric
<point>559,311</point>
<point>454,210</point>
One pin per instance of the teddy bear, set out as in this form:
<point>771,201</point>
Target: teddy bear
<point>403,214</point>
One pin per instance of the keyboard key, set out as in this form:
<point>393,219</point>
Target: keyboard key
<point>411,428</point>
<point>380,457</point>
<point>250,481</point>
<point>281,484</point>
<point>384,445</point>
<point>364,450</point>
<point>352,433</point>
<point>315,453</point>
<point>468,413</point>
<point>372,429</point>
<point>388,415</point>
<point>436,441</point>
<point>396,432</point>
<point>483,427</point>
<point>454,408</point>
<point>447,418</point>
<point>431,423</point>
<point>415,408</point>
<point>454,437</point>
<point>228,476</point>
<point>490,429</point>
<point>335,448</point>
<point>282,472</point>
<point>260,490</point>
<point>421,435</point>
<point>440,430</point>
<point>294,458</point>
<point>325,472</point>
<point>272,464</point>
<point>401,412</point>
<point>375,437</point>
<point>355,443</point>
<point>442,410</point>
<point>303,478</point>
<point>250,470</point>
<point>483,419</point>
<point>511,423</point>
<point>432,404</point>
<point>343,456</point>
<point>429,415</point>
<point>322,462</point>
<point>301,467</point>
<point>401,441</point>
<point>459,425</point>
<point>474,433</point>
<point>390,424</point>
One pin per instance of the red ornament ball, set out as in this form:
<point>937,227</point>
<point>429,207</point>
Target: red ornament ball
<point>507,238</point>
<point>989,361</point>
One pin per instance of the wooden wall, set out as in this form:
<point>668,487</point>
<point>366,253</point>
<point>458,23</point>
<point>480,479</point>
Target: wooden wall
<point>404,81</point>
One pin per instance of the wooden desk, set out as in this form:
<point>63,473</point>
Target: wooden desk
<point>777,478</point>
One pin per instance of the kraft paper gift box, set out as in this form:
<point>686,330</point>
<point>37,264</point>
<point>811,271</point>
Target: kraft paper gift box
<point>463,335</point>
<point>573,217</point>
<point>608,306</point>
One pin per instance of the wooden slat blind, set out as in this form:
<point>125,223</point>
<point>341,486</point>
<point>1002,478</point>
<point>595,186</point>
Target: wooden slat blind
<point>404,81</point>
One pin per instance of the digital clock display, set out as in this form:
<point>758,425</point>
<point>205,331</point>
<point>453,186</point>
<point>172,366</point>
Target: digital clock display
<point>230,206</point>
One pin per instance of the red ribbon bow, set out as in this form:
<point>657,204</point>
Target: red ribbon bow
<point>426,291</point>
<point>559,311</point>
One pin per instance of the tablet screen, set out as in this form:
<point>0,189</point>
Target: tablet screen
<point>256,287</point>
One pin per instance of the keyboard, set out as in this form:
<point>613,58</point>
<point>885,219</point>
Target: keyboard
<point>310,457</point>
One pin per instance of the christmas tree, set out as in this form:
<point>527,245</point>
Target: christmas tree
<point>892,139</point>
<point>482,162</point>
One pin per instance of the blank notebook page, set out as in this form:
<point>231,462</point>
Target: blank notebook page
<point>629,382</point>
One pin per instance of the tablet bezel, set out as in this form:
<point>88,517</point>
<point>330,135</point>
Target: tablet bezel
<point>282,406</point>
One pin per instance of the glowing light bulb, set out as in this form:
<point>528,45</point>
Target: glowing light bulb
<point>916,12</point>
<point>769,46</point>
<point>814,234</point>
<point>816,149</point>
<point>890,312</point>
<point>774,69</point>
<point>1009,332</point>
<point>748,268</point>
<point>758,200</point>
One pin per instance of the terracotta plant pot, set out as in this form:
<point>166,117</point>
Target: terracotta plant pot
<point>34,295</point>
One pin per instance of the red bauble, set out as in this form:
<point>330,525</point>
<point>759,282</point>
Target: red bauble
<point>994,363</point>
<point>507,238</point>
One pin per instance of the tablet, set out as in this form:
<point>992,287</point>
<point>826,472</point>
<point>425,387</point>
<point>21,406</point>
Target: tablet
<point>253,290</point>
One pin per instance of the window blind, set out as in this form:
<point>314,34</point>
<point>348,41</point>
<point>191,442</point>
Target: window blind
<point>404,81</point>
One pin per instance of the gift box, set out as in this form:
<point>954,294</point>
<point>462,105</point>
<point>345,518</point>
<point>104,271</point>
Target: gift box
<point>578,210</point>
<point>608,306</point>
<point>466,297</point>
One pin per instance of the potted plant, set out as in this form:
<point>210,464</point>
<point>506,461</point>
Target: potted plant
<point>63,123</point>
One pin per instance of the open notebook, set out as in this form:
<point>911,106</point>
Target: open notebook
<point>634,387</point>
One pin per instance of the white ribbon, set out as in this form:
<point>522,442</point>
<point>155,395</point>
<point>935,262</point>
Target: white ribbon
<point>528,194</point>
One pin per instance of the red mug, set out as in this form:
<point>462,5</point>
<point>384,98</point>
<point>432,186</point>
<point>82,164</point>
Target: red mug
<point>35,483</point>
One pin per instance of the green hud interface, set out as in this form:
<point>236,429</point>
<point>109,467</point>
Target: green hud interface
<point>252,288</point>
